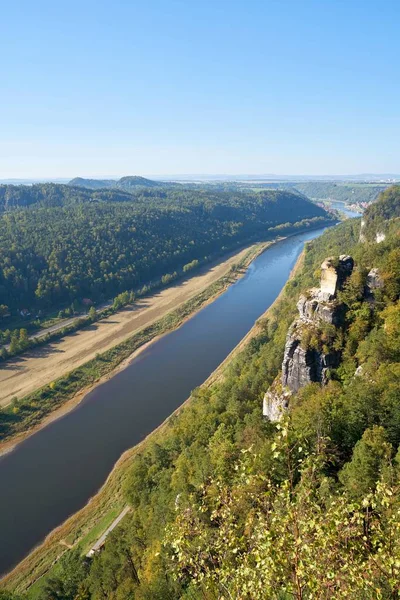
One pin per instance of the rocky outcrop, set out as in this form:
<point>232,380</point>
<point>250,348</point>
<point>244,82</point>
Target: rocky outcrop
<point>380,237</point>
<point>305,362</point>
<point>319,306</point>
<point>374,280</point>
<point>363,237</point>
<point>302,366</point>
<point>334,273</point>
<point>276,401</point>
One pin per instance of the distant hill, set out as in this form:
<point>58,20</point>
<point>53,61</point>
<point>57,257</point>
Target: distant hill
<point>93,184</point>
<point>134,181</point>
<point>130,182</point>
<point>342,191</point>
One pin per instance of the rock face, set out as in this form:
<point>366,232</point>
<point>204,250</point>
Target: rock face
<point>319,306</point>
<point>334,273</point>
<point>302,363</point>
<point>374,280</point>
<point>276,401</point>
<point>362,237</point>
<point>380,237</point>
<point>301,366</point>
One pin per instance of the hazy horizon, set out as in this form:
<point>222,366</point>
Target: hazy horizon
<point>217,177</point>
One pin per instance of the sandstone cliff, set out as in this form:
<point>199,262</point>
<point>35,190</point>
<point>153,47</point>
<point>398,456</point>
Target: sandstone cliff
<point>309,354</point>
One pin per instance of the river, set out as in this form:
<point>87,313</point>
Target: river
<point>53,473</point>
<point>343,207</point>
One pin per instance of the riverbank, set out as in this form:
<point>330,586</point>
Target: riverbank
<point>27,373</point>
<point>77,531</point>
<point>62,394</point>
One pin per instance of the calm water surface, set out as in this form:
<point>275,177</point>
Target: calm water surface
<point>343,208</point>
<point>53,474</point>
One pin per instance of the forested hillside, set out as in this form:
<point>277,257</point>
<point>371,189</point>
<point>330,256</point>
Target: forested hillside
<point>54,194</point>
<point>341,191</point>
<point>76,243</point>
<point>94,184</point>
<point>378,216</point>
<point>229,505</point>
<point>127,183</point>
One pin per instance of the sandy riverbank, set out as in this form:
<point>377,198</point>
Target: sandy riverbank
<point>28,372</point>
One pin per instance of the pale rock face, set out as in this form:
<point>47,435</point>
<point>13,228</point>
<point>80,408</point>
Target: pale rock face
<point>362,237</point>
<point>380,237</point>
<point>328,278</point>
<point>333,277</point>
<point>276,402</point>
<point>359,372</point>
<point>374,280</point>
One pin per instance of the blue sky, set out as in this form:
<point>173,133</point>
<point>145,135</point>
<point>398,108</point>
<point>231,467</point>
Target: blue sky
<point>96,88</point>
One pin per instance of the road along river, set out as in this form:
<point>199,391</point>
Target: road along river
<point>52,474</point>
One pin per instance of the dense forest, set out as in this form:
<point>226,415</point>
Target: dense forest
<point>50,195</point>
<point>75,243</point>
<point>227,504</point>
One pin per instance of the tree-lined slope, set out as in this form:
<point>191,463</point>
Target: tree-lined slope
<point>75,243</point>
<point>128,183</point>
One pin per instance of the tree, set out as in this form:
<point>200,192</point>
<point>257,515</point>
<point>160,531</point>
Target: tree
<point>23,341</point>
<point>3,310</point>
<point>371,456</point>
<point>69,583</point>
<point>92,313</point>
<point>14,343</point>
<point>166,279</point>
<point>190,266</point>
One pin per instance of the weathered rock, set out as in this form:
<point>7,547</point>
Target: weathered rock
<point>359,372</point>
<point>317,306</point>
<point>380,237</point>
<point>334,274</point>
<point>363,237</point>
<point>301,366</point>
<point>328,277</point>
<point>276,401</point>
<point>374,280</point>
